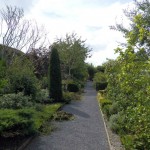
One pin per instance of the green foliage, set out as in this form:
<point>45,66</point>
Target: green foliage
<point>128,81</point>
<point>55,87</point>
<point>15,101</point>
<point>3,80</point>
<point>116,122</point>
<point>100,69</point>
<point>73,87</point>
<point>42,97</point>
<point>25,121</point>
<point>72,52</point>
<point>22,78</point>
<point>44,83</point>
<point>69,96</point>
<point>91,71</point>
<point>100,81</point>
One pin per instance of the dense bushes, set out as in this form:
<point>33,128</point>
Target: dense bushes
<point>21,77</point>
<point>72,87</point>
<point>100,81</point>
<point>25,121</point>
<point>129,81</point>
<point>15,101</point>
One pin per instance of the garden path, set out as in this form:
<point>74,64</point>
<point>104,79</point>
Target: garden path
<point>85,132</point>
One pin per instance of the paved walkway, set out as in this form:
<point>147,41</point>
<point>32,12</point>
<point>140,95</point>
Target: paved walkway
<point>86,132</point>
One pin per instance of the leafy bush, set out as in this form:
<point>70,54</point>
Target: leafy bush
<point>104,102</point>
<point>68,97</point>
<point>100,81</point>
<point>43,96</point>
<point>106,110</point>
<point>73,87</point>
<point>114,123</point>
<point>15,121</point>
<point>15,101</point>
<point>114,109</point>
<point>22,78</point>
<point>101,86</point>
<point>44,83</point>
<point>25,121</point>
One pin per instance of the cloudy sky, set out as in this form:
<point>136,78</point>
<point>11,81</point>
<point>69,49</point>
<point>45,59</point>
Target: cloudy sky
<point>90,19</point>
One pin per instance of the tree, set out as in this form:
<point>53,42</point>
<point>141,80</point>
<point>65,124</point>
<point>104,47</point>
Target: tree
<point>55,88</point>
<point>73,52</point>
<point>17,32</point>
<point>91,71</point>
<point>129,78</point>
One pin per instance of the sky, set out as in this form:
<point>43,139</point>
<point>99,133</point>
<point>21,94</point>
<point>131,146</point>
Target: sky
<point>89,19</point>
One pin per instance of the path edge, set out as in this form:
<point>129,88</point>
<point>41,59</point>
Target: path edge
<point>108,138</point>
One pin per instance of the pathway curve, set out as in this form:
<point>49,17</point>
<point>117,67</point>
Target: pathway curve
<point>85,132</point>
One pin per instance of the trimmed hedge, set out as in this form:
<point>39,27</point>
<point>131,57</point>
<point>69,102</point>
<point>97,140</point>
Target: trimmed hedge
<point>101,86</point>
<point>73,87</point>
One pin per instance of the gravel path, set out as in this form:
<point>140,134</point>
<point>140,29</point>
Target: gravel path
<point>85,132</point>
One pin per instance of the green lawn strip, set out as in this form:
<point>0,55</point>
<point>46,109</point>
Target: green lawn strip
<point>25,121</point>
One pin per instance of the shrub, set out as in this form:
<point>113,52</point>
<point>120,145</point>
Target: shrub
<point>16,121</point>
<point>68,97</point>
<point>55,87</point>
<point>106,110</point>
<point>104,102</point>
<point>113,122</point>
<point>100,81</point>
<point>25,121</point>
<point>44,83</point>
<point>22,78</point>
<point>101,85</point>
<point>43,96</point>
<point>117,122</point>
<point>15,101</point>
<point>73,87</point>
<point>114,109</point>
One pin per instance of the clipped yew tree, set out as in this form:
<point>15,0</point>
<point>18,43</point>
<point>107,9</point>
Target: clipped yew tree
<point>55,89</point>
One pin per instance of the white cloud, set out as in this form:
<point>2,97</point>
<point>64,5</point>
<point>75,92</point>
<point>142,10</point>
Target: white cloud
<point>89,19</point>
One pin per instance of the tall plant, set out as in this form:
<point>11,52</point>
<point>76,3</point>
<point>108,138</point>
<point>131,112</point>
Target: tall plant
<point>55,89</point>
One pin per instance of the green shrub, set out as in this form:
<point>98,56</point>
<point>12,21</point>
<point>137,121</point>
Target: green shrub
<point>68,97</point>
<point>43,96</point>
<point>21,77</point>
<point>100,81</point>
<point>128,142</point>
<point>25,121</point>
<point>101,85</point>
<point>14,121</point>
<point>117,122</point>
<point>73,87</point>
<point>44,83</point>
<point>106,110</point>
<point>55,85</point>
<point>104,102</point>
<point>114,109</point>
<point>15,101</point>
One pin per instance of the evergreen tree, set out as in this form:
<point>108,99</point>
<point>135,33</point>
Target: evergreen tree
<point>55,89</point>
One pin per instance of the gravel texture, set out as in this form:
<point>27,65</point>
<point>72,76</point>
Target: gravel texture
<point>85,132</point>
